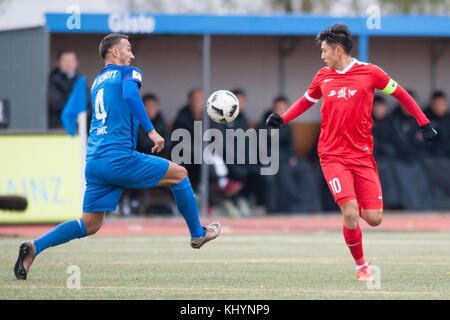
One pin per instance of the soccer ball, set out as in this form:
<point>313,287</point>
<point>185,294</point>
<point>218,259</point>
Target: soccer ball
<point>222,106</point>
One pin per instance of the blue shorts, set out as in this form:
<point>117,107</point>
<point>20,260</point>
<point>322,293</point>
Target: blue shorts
<point>107,177</point>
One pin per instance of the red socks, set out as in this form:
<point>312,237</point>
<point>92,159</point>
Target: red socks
<point>353,239</point>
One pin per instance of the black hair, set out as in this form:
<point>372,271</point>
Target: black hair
<point>379,99</point>
<point>438,94</point>
<point>108,42</point>
<point>280,98</point>
<point>337,34</point>
<point>238,91</point>
<point>60,53</point>
<point>150,96</point>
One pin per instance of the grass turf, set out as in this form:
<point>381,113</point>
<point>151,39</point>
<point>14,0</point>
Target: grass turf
<point>296,266</point>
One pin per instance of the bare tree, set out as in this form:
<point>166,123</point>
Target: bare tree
<point>417,6</point>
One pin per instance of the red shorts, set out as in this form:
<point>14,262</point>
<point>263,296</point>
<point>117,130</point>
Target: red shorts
<point>353,179</point>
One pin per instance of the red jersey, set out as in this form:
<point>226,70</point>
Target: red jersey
<point>346,128</point>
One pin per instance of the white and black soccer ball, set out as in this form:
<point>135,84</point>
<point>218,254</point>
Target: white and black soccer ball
<point>222,106</point>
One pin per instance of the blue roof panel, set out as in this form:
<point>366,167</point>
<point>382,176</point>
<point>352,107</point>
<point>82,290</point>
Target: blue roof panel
<point>148,23</point>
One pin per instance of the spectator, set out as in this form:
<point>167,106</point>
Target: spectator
<point>144,201</point>
<point>381,129</point>
<point>61,82</point>
<point>191,112</point>
<point>144,144</point>
<point>384,151</point>
<point>243,173</point>
<point>405,133</point>
<point>438,165</point>
<point>439,116</point>
<point>406,168</point>
<point>295,188</point>
<point>240,172</point>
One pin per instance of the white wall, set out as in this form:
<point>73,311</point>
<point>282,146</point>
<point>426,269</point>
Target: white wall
<point>172,66</point>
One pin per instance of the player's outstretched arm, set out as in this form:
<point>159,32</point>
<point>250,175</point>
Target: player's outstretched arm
<point>413,108</point>
<point>134,101</point>
<point>389,86</point>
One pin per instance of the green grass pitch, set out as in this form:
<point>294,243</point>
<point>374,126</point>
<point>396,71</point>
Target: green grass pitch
<point>296,266</point>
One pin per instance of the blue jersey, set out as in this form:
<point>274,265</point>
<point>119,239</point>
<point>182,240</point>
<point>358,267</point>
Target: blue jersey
<point>113,126</point>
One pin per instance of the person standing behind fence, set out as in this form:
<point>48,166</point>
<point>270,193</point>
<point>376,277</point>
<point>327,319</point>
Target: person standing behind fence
<point>60,85</point>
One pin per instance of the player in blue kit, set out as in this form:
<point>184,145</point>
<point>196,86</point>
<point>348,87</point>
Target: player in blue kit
<point>113,163</point>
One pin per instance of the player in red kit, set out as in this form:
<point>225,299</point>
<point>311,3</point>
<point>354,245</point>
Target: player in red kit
<point>345,144</point>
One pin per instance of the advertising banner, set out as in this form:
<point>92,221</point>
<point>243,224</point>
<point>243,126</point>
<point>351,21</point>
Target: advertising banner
<point>46,170</point>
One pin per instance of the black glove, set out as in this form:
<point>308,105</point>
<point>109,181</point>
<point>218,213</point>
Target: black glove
<point>274,121</point>
<point>428,133</point>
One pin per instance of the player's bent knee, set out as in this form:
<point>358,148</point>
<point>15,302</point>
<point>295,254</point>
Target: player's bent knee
<point>183,173</point>
<point>174,175</point>
<point>92,222</point>
<point>92,229</point>
<point>180,173</point>
<point>373,217</point>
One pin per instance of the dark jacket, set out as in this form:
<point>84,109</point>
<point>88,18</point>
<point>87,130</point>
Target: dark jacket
<point>59,90</point>
<point>441,144</point>
<point>382,137</point>
<point>185,120</point>
<point>145,145</point>
<point>286,142</point>
<point>404,133</point>
<point>239,123</point>
<point>238,171</point>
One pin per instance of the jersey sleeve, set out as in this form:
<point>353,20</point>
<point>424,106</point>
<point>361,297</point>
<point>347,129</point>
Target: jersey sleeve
<point>132,74</point>
<point>314,93</point>
<point>382,81</point>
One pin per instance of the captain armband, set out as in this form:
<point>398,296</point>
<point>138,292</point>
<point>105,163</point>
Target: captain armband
<point>391,86</point>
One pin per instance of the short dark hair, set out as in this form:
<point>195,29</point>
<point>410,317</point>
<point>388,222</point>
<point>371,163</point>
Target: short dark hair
<point>280,98</point>
<point>337,34</point>
<point>238,91</point>
<point>438,94</point>
<point>60,53</point>
<point>379,99</point>
<point>150,96</point>
<point>108,42</point>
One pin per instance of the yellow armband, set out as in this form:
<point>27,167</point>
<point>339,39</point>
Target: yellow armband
<point>391,86</point>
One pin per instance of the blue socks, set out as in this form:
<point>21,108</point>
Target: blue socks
<point>187,205</point>
<point>62,233</point>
